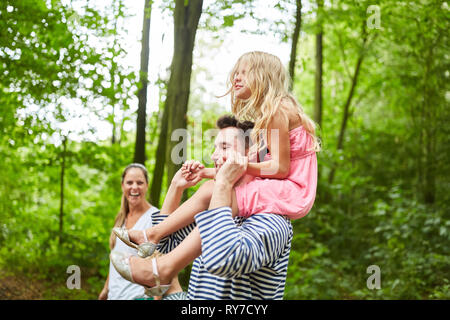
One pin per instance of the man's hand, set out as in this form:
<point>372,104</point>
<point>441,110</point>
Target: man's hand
<point>228,174</point>
<point>232,169</point>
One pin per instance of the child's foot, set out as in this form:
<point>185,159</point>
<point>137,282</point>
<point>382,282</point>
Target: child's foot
<point>137,239</point>
<point>137,236</point>
<point>143,236</point>
<point>141,271</point>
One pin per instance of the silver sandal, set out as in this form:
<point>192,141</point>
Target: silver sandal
<point>144,249</point>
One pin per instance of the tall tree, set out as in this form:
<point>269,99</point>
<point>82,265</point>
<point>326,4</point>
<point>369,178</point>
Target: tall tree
<point>318,86</point>
<point>139,151</point>
<point>295,37</point>
<point>419,44</point>
<point>351,93</point>
<point>160,160</point>
<point>186,17</point>
<point>61,189</point>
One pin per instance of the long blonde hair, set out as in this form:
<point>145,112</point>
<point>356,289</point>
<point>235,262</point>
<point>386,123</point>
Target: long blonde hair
<point>268,82</point>
<point>124,206</point>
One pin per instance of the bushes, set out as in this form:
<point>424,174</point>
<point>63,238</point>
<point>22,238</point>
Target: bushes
<point>337,241</point>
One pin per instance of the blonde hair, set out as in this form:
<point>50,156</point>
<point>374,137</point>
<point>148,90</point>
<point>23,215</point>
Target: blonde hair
<point>268,82</point>
<point>124,207</point>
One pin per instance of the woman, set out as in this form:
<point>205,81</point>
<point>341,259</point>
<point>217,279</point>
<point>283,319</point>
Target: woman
<point>135,213</point>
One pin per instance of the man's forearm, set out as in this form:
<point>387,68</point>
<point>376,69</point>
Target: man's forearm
<point>221,196</point>
<point>172,199</point>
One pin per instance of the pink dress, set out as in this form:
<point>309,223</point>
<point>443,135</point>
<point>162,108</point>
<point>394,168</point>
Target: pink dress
<point>293,196</point>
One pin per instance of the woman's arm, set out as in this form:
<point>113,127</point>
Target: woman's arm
<point>104,293</point>
<point>279,146</point>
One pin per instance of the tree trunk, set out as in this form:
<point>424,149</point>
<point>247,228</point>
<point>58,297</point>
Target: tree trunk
<point>429,147</point>
<point>346,113</point>
<point>114,129</point>
<point>319,63</point>
<point>295,37</point>
<point>186,17</point>
<point>139,151</point>
<point>61,189</point>
<point>160,161</point>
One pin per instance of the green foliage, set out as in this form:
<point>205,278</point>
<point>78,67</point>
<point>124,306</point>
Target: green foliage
<point>378,210</point>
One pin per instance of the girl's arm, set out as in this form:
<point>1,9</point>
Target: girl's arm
<point>279,146</point>
<point>208,173</point>
<point>184,214</point>
<point>192,169</point>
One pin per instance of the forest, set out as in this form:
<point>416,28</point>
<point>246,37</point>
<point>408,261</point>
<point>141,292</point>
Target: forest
<point>75,110</point>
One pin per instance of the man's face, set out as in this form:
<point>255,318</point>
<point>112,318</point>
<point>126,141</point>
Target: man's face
<point>228,140</point>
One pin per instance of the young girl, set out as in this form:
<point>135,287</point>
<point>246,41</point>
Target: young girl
<point>285,182</point>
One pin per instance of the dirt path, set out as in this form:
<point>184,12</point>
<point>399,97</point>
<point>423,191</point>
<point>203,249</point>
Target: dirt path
<point>20,288</point>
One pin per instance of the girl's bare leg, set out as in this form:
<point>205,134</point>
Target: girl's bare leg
<point>170,264</point>
<point>180,218</point>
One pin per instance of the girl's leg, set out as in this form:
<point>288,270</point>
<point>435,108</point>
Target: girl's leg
<point>170,264</point>
<point>180,218</point>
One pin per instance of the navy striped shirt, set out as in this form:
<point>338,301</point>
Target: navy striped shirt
<point>241,258</point>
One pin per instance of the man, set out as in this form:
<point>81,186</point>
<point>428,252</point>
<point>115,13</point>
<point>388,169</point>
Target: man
<point>238,258</point>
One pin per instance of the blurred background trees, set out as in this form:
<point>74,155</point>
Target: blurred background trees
<point>374,75</point>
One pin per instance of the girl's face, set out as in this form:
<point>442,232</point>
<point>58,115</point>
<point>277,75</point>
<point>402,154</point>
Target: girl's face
<point>240,85</point>
<point>134,186</point>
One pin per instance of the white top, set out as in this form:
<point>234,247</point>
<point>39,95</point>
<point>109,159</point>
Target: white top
<point>119,288</point>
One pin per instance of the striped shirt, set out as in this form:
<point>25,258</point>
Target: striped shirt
<point>241,258</point>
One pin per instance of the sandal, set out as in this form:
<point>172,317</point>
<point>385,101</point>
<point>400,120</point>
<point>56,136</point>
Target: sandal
<point>121,262</point>
<point>144,250</point>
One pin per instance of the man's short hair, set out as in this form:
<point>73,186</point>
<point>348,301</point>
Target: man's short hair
<point>228,121</point>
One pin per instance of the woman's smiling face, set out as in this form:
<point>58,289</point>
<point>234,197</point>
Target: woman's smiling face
<point>134,186</point>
